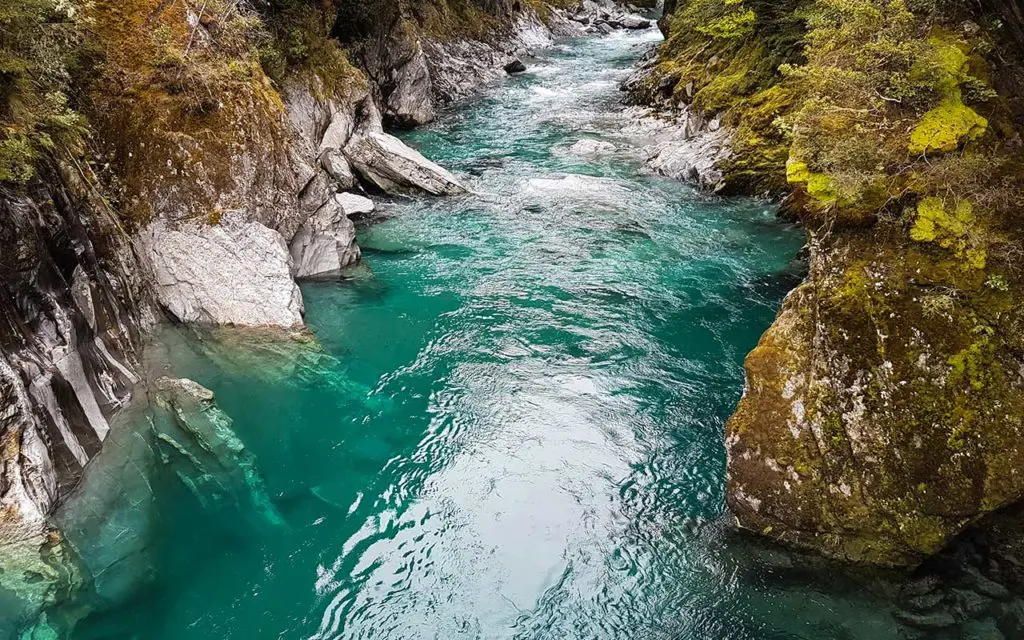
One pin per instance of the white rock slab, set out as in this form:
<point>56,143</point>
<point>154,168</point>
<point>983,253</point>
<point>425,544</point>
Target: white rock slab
<point>393,167</point>
<point>237,272</point>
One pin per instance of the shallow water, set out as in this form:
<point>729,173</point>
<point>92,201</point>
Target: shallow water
<point>515,427</point>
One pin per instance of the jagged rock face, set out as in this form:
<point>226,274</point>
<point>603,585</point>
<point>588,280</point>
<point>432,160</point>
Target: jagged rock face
<point>236,272</point>
<point>692,150</point>
<point>326,242</point>
<point>71,314</point>
<point>409,102</point>
<point>414,73</point>
<point>387,163</point>
<point>882,414</point>
<point>70,324</point>
<point>186,152</point>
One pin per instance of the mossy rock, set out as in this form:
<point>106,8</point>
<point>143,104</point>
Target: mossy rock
<point>950,228</point>
<point>946,127</point>
<point>876,424</point>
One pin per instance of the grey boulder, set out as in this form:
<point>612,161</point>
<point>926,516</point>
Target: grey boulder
<point>326,242</point>
<point>387,163</point>
<point>237,272</point>
<point>515,66</point>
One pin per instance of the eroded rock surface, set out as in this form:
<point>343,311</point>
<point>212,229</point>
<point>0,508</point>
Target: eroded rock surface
<point>684,146</point>
<point>235,272</point>
<point>879,420</point>
<point>326,242</point>
<point>386,162</point>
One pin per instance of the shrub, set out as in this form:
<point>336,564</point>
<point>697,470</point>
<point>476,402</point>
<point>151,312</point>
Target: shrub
<point>38,41</point>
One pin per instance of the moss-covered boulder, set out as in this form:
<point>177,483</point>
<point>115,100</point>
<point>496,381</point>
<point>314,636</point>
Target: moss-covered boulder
<point>884,408</point>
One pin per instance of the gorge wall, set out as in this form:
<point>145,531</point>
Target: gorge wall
<point>190,161</point>
<point>883,408</point>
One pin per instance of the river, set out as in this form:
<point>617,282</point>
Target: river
<point>514,429</point>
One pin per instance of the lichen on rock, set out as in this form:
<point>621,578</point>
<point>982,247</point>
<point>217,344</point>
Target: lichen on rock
<point>946,127</point>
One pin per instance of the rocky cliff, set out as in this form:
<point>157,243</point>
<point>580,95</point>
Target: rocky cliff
<point>190,161</point>
<point>884,407</point>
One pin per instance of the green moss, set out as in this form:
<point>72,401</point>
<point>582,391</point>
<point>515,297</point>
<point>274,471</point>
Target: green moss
<point>933,223</point>
<point>823,189</point>
<point>797,172</point>
<point>951,123</point>
<point>946,127</point>
<point>18,157</point>
<point>968,364</point>
<point>949,229</point>
<point>736,24</point>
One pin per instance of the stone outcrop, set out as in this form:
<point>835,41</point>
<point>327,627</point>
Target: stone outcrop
<point>235,272</point>
<point>883,408</point>
<point>70,327</point>
<point>72,311</point>
<point>388,164</point>
<point>410,102</point>
<point>326,242</point>
<point>876,426</point>
<point>691,148</point>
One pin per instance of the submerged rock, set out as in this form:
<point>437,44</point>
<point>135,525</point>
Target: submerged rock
<point>926,621</point>
<point>207,454</point>
<point>39,573</point>
<point>387,163</point>
<point>123,507</point>
<point>236,272</point>
<point>591,147</point>
<point>515,66</point>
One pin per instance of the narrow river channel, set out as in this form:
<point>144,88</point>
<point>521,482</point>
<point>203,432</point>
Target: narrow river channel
<point>514,428</point>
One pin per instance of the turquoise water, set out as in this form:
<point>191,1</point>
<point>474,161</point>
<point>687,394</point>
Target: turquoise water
<point>514,429</point>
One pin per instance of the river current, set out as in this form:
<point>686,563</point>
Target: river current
<point>513,428</point>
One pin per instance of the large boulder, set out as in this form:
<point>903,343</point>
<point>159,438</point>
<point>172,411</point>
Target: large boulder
<point>387,163</point>
<point>882,408</point>
<point>326,242</point>
<point>235,272</point>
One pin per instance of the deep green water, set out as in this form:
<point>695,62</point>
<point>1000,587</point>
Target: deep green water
<point>515,430</point>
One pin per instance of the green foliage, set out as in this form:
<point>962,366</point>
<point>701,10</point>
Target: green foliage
<point>735,24</point>
<point>722,19</point>
<point>300,39</point>
<point>17,159</point>
<point>38,39</point>
<point>997,282</point>
<point>861,52</point>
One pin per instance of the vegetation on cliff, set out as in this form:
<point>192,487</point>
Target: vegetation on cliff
<point>884,407</point>
<point>157,96</point>
<point>37,40</point>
